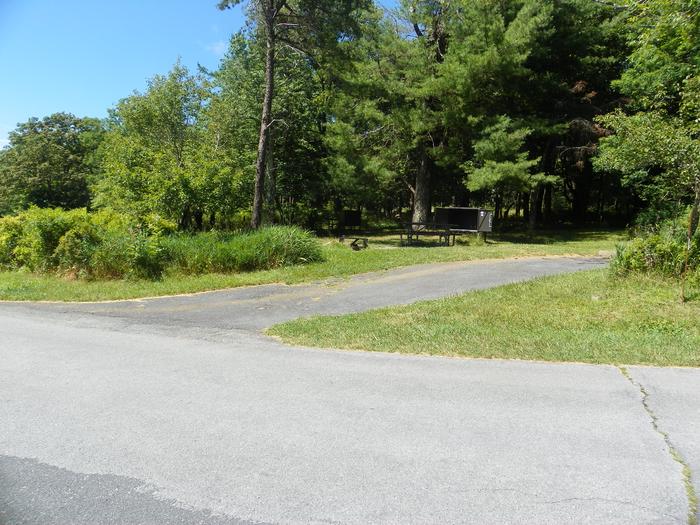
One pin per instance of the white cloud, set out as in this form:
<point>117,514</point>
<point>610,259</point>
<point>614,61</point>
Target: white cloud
<point>218,48</point>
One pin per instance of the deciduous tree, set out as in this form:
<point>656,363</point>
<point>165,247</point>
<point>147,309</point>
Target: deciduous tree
<point>50,163</point>
<point>310,27</point>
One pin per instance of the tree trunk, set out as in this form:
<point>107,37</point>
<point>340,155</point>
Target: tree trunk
<point>265,120</point>
<point>529,212</point>
<point>548,204</point>
<point>270,182</point>
<point>421,200</point>
<point>536,197</point>
<point>198,220</point>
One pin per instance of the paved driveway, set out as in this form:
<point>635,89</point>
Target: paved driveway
<point>177,410</point>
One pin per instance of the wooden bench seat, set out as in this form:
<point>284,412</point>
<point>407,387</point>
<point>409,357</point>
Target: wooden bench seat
<point>413,230</point>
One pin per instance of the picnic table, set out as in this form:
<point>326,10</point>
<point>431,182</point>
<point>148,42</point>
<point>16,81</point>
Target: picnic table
<point>413,230</point>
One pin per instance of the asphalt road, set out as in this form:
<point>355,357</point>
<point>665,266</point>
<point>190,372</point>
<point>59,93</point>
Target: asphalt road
<point>178,411</point>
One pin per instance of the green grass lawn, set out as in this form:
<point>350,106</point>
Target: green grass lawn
<point>383,253</point>
<point>585,317</point>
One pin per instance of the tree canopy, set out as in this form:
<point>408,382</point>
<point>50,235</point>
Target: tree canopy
<point>546,110</point>
<point>50,162</point>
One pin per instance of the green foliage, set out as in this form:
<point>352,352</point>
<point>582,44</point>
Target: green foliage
<point>339,261</point>
<point>378,116</point>
<point>657,155</point>
<point>657,150</point>
<point>49,162</point>
<point>295,174</point>
<point>111,245</point>
<point>665,39</point>
<point>659,249</point>
<point>500,162</point>
<point>426,86</point>
<point>80,244</point>
<point>42,230</point>
<point>76,248</point>
<point>388,110</point>
<point>264,249</point>
<point>314,29</point>
<point>10,233</point>
<point>108,245</point>
<point>158,157</point>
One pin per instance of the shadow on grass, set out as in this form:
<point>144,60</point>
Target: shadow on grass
<point>391,238</point>
<point>555,236</point>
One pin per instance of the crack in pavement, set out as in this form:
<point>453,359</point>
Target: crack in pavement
<point>673,451</point>
<point>567,500</point>
<point>616,501</point>
<point>540,497</point>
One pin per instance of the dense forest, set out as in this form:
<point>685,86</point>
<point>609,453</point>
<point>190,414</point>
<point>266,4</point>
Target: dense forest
<point>549,112</point>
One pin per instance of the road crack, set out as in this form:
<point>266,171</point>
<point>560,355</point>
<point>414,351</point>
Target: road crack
<point>673,451</point>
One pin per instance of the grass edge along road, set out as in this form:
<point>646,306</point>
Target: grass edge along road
<point>588,317</point>
<point>382,254</point>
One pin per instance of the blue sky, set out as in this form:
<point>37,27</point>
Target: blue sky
<point>83,56</point>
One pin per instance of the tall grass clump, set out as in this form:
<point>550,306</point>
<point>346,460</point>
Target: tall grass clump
<point>264,249</point>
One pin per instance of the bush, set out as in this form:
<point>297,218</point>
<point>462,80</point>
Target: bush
<point>110,245</point>
<point>659,250</point>
<point>42,229</point>
<point>10,233</point>
<point>105,244</point>
<point>77,247</point>
<point>156,225</point>
<point>145,255</point>
<point>111,260</point>
<point>111,251</point>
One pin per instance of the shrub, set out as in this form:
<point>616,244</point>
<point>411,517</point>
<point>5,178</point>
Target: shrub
<point>115,253</point>
<point>111,260</point>
<point>10,233</point>
<point>104,244</point>
<point>42,229</point>
<point>660,250</point>
<point>145,255</point>
<point>154,224</point>
<point>110,245</point>
<point>77,247</point>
